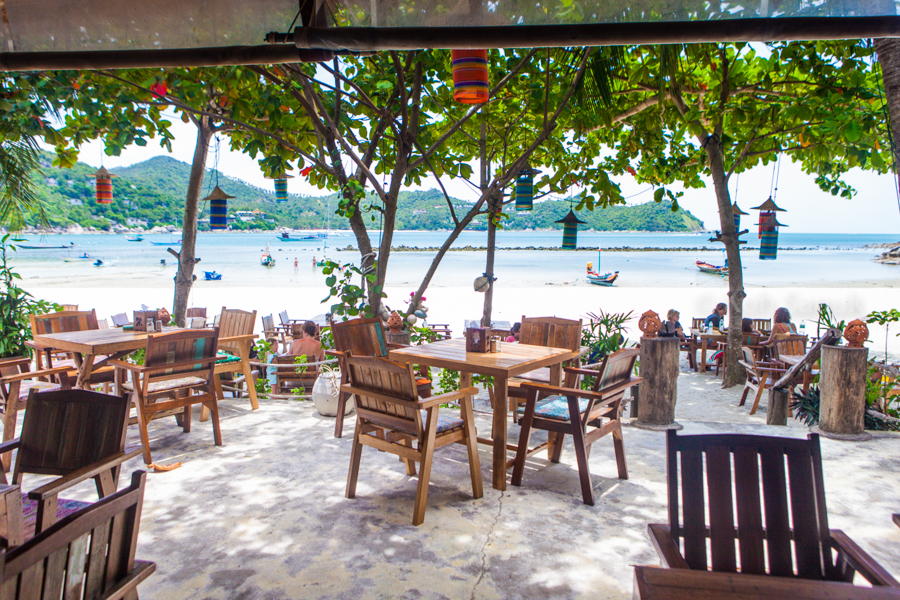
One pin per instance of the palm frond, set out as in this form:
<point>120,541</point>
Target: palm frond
<point>18,200</point>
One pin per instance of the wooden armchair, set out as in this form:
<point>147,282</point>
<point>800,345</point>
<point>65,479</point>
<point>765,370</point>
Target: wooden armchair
<point>549,332</point>
<point>120,320</point>
<point>761,375</point>
<point>287,378</point>
<point>391,418</point>
<point>236,340</point>
<point>750,340</point>
<point>60,563</point>
<point>363,337</point>
<point>75,435</point>
<point>579,413</point>
<point>775,490</point>
<point>791,344</point>
<point>177,373</point>
<point>17,380</point>
<point>279,335</point>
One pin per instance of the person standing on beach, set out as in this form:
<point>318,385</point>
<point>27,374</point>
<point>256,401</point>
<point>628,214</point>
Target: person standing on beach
<point>296,264</point>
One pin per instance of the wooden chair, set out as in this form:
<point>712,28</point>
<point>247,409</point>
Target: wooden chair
<point>236,340</point>
<point>287,323</point>
<point>102,324</point>
<point>791,344</point>
<point>177,373</point>
<point>16,383</point>
<point>75,435</point>
<point>69,307</point>
<point>391,418</point>
<point>270,331</point>
<point>63,322</point>
<point>549,332</point>
<point>62,563</point>
<point>750,340</point>
<point>764,326</point>
<point>120,320</point>
<point>362,337</point>
<point>287,378</point>
<point>776,492</point>
<point>195,312</point>
<point>761,375</point>
<point>196,323</point>
<point>442,329</point>
<point>697,323</point>
<point>581,414</point>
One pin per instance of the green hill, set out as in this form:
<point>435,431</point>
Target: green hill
<point>152,193</point>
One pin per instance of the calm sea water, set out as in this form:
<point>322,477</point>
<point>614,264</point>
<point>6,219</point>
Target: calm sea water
<point>816,259</point>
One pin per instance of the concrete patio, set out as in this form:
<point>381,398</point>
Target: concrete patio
<point>265,516</point>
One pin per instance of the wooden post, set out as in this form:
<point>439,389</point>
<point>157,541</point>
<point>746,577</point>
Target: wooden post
<point>658,390</point>
<point>777,409</point>
<point>843,392</point>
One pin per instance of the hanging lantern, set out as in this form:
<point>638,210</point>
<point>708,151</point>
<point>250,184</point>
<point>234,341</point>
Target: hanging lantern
<point>737,216</point>
<point>570,230</point>
<point>525,188</point>
<point>281,194</point>
<point>768,209</point>
<point>104,186</point>
<point>768,241</point>
<point>218,208</point>
<point>470,76</point>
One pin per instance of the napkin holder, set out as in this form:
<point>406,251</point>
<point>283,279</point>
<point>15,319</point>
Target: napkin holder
<point>478,339</point>
<point>142,317</point>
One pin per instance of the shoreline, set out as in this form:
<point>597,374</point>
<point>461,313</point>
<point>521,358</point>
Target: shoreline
<point>405,248</point>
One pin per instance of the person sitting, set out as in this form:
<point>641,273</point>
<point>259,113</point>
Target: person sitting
<point>747,327</point>
<point>714,320</point>
<point>308,343</point>
<point>514,333</point>
<point>781,326</point>
<point>671,327</point>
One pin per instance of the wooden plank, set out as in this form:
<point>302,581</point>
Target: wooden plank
<point>96,567</point>
<point>75,568</point>
<point>778,533</point>
<point>807,546</point>
<point>55,573</point>
<point>721,508</point>
<point>749,513</point>
<point>694,514</point>
<point>31,582</point>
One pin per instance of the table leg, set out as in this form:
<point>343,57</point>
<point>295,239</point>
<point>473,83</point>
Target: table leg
<point>84,372</point>
<point>248,373</point>
<point>499,432</point>
<point>703,355</point>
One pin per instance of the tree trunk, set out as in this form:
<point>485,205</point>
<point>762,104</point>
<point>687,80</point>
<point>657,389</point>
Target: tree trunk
<point>494,205</point>
<point>888,50</point>
<point>734,373</point>
<point>184,278</point>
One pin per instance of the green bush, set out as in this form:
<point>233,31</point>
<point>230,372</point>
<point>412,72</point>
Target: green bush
<point>15,306</point>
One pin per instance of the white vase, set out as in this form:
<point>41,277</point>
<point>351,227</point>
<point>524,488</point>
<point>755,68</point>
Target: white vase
<point>325,398</point>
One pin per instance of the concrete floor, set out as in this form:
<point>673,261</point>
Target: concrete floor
<point>264,516</point>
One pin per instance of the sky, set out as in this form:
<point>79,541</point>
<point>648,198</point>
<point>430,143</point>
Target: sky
<point>874,208</point>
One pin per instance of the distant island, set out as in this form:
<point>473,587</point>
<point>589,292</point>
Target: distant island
<point>151,194</point>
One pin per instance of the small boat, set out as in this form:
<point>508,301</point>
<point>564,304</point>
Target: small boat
<point>266,259</point>
<point>606,279</point>
<point>134,238</point>
<point>178,243</point>
<point>84,256</point>
<point>286,237</point>
<point>706,267</point>
<point>212,276</point>
<point>103,263</point>
<point>43,247</point>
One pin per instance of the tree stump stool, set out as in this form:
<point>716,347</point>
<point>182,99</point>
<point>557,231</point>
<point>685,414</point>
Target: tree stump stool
<point>659,388</point>
<point>843,393</point>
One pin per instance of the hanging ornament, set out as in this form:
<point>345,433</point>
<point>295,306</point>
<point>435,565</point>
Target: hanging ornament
<point>768,229</point>
<point>525,188</point>
<point>104,186</point>
<point>470,76</point>
<point>281,194</point>
<point>737,216</point>
<point>218,208</point>
<point>570,230</point>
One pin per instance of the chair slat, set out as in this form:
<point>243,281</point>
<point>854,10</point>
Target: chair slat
<point>806,539</point>
<point>721,509</point>
<point>31,582</point>
<point>778,532</point>
<point>96,567</point>
<point>694,526</point>
<point>75,568</point>
<point>54,575</point>
<point>749,513</point>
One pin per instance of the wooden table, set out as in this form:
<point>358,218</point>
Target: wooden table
<point>87,345</point>
<point>655,583</point>
<point>513,359</point>
<point>703,339</point>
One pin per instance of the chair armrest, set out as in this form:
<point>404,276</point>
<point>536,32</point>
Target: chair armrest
<point>666,546</point>
<point>9,445</point>
<point>447,397</point>
<point>567,391</point>
<point>123,587</point>
<point>860,560</point>
<point>238,338</point>
<point>32,374</point>
<point>55,487</point>
<point>581,371</point>
<point>15,362</point>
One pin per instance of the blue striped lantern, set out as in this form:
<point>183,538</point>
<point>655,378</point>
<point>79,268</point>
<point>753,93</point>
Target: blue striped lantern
<point>737,216</point>
<point>281,193</point>
<point>218,209</point>
<point>570,230</point>
<point>470,76</point>
<point>768,229</point>
<point>525,188</point>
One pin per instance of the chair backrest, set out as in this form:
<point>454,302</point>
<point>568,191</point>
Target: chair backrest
<point>616,368</point>
<point>750,339</point>
<point>197,322</point>
<point>120,320</point>
<point>196,312</point>
<point>70,307</point>
<point>59,557</point>
<point>395,398</point>
<point>61,322</point>
<point>234,322</point>
<point>64,431</point>
<point>283,317</point>
<point>762,325</point>
<point>188,352</point>
<point>551,332</point>
<point>360,337</point>
<point>268,323</point>
<point>778,498</point>
<point>749,358</point>
<point>103,324</point>
<point>697,322</point>
<point>791,344</point>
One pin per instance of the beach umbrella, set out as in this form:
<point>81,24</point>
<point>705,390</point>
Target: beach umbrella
<point>737,216</point>
<point>570,230</point>
<point>470,76</point>
<point>525,188</point>
<point>104,186</point>
<point>768,241</point>
<point>281,187</point>
<point>218,208</point>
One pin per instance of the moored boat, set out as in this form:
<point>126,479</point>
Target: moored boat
<point>178,243</point>
<point>212,276</point>
<point>712,269</point>
<point>134,238</point>
<point>266,259</point>
<point>607,279</point>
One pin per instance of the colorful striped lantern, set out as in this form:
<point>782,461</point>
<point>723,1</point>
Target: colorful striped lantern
<point>768,229</point>
<point>281,194</point>
<point>104,186</point>
<point>737,216</point>
<point>570,230</point>
<point>768,209</point>
<point>218,208</point>
<point>470,76</point>
<point>525,188</point>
